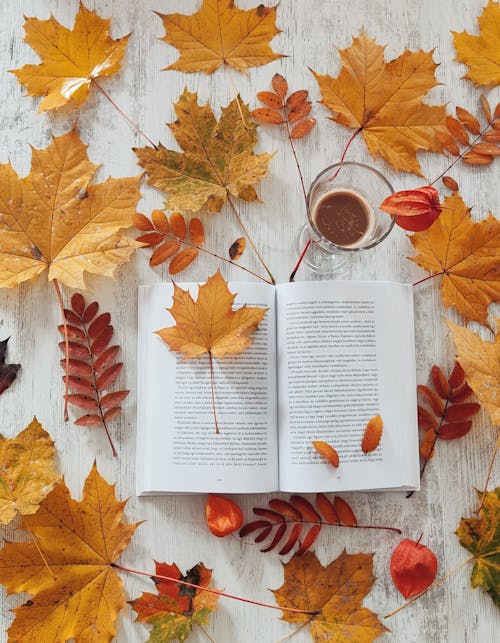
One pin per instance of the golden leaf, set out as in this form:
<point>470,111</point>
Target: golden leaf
<point>76,593</point>
<point>210,325</point>
<point>481,363</point>
<point>55,219</point>
<point>26,471</point>
<point>220,33</point>
<point>336,592</point>
<point>217,158</point>
<point>482,53</point>
<point>466,252</point>
<point>72,58</point>
<point>384,101</point>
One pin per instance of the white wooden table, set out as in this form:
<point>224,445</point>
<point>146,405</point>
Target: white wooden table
<point>175,528</point>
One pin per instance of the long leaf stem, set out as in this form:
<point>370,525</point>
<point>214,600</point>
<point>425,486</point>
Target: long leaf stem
<point>245,232</point>
<point>294,632</point>
<point>122,113</point>
<point>421,281</point>
<point>66,347</point>
<point>212,384</point>
<point>212,590</point>
<point>488,476</point>
<point>35,542</point>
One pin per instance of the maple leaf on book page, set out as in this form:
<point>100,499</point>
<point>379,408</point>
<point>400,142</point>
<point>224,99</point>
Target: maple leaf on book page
<point>221,33</point>
<point>54,218</point>
<point>76,592</point>
<point>466,253</point>
<point>217,158</point>
<point>71,58</point>
<point>384,100</point>
<point>482,53</point>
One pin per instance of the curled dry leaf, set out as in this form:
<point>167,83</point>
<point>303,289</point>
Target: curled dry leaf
<point>414,210</point>
<point>450,183</point>
<point>237,248</point>
<point>223,515</point>
<point>327,451</point>
<point>176,608</point>
<point>8,372</point>
<point>372,434</point>
<point>413,567</point>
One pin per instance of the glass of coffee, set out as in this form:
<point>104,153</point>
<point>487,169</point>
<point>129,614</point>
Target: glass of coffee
<point>343,213</point>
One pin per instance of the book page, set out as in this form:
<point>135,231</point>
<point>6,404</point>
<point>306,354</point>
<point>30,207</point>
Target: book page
<point>345,354</point>
<point>178,449</point>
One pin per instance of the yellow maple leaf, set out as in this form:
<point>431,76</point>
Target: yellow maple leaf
<point>481,363</point>
<point>466,254</point>
<point>220,33</point>
<point>383,100</point>
<point>26,471</point>
<point>217,158</point>
<point>76,593</point>
<point>55,219</point>
<point>210,325</point>
<point>335,592</point>
<point>72,58</point>
<point>482,53</point>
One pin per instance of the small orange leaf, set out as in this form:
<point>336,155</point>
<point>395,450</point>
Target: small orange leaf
<point>448,142</point>
<point>468,120</point>
<point>178,225</point>
<point>450,183</point>
<point>303,128</point>
<point>268,116</point>
<point>196,232</point>
<point>163,252</point>
<point>88,420</point>
<point>160,221</point>
<point>493,136</point>
<point>427,446</point>
<point>496,113</point>
<point>372,435</point>
<point>280,85</point>
<point>223,515</point>
<point>457,376</point>
<point>440,382</point>
<point>496,124</point>
<point>459,412</point>
<point>301,111</point>
<point>270,99</point>
<point>344,512</point>
<point>455,430</point>
<point>237,248</point>
<point>432,399</point>
<point>486,148</point>
<point>182,260</point>
<point>457,130</point>
<point>486,107</point>
<point>327,451</point>
<point>426,421</point>
<point>141,222</point>
<point>327,509</point>
<point>296,98</point>
<point>473,158</point>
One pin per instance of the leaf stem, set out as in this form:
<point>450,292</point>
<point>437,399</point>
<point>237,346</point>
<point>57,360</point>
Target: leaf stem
<point>302,254</point>
<point>66,347</point>
<point>245,232</point>
<point>421,281</point>
<point>122,113</point>
<point>436,436</point>
<point>488,475</point>
<point>213,391</point>
<point>212,590</point>
<point>38,547</point>
<point>206,633</point>
<point>290,140</point>
<point>296,631</point>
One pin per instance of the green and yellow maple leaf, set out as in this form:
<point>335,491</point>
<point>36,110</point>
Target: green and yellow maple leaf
<point>481,536</point>
<point>217,158</point>
<point>176,608</point>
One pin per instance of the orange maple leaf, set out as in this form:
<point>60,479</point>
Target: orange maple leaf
<point>220,33</point>
<point>466,254</point>
<point>482,53</point>
<point>72,58</point>
<point>76,593</point>
<point>383,100</point>
<point>335,592</point>
<point>54,218</point>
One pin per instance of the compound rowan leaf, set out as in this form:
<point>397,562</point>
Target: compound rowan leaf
<point>54,218</point>
<point>76,593</point>
<point>482,53</point>
<point>383,100</point>
<point>335,592</point>
<point>466,252</point>
<point>72,58</point>
<point>480,360</point>
<point>217,158</point>
<point>26,471</point>
<point>210,325</point>
<point>176,608</point>
<point>221,33</point>
<point>481,536</point>
<point>8,372</point>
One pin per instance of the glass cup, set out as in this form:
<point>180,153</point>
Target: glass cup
<point>343,215</point>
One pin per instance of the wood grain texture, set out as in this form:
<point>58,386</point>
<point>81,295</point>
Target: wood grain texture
<point>174,529</point>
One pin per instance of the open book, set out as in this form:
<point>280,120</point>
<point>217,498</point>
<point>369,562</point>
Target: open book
<point>328,356</point>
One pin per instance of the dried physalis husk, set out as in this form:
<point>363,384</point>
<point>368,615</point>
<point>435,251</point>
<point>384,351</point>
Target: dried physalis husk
<point>450,183</point>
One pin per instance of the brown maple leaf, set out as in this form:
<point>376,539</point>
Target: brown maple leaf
<point>383,100</point>
<point>466,254</point>
<point>335,592</point>
<point>72,58</point>
<point>26,471</point>
<point>76,593</point>
<point>482,53</point>
<point>176,608</point>
<point>54,218</point>
<point>217,158</point>
<point>221,33</point>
